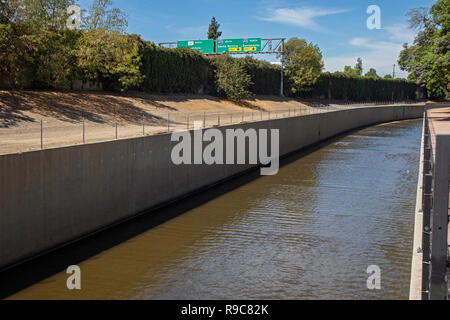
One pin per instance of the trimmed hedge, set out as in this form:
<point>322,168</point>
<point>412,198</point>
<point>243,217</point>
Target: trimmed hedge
<point>264,75</point>
<point>342,87</point>
<point>178,70</point>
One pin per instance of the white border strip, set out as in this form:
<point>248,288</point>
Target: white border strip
<point>415,290</point>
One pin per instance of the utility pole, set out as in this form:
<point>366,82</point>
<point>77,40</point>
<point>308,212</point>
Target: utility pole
<point>393,72</point>
<point>282,70</point>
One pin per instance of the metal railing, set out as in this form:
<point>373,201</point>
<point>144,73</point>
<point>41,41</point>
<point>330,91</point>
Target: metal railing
<point>435,208</point>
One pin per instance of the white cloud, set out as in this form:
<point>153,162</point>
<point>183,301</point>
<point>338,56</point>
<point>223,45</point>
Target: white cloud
<point>381,55</point>
<point>302,17</point>
<point>401,33</point>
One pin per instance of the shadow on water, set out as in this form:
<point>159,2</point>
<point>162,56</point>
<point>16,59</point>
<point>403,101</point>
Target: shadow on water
<point>42,267</point>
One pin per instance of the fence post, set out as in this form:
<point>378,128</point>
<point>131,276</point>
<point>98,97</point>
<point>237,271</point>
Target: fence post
<point>143,124</point>
<point>42,138</point>
<point>168,121</point>
<point>115,120</point>
<point>84,132</point>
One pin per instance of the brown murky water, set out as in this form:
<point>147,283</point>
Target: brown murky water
<point>309,232</point>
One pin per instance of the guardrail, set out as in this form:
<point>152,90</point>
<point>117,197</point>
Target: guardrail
<point>435,207</point>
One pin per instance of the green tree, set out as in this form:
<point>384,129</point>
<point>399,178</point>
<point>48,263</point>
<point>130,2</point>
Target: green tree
<point>359,66</point>
<point>45,14</point>
<point>54,58</point>
<point>112,58</point>
<point>213,30</point>
<point>428,59</point>
<point>388,76</point>
<point>303,64</point>
<point>356,71</point>
<point>15,55</point>
<point>351,72</point>
<point>36,48</point>
<point>8,9</point>
<point>231,79</point>
<point>101,15</point>
<point>372,73</point>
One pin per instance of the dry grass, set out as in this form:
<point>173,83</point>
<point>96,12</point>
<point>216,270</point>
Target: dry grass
<point>62,113</point>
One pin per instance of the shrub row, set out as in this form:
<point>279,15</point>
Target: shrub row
<point>178,70</point>
<point>342,87</point>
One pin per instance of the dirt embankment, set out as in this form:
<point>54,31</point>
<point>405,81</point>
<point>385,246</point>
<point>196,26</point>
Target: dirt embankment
<point>63,113</point>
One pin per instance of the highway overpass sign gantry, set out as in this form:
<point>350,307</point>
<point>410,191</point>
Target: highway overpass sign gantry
<point>231,46</point>
<point>235,46</point>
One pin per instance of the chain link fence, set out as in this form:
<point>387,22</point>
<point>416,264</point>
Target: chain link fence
<point>436,214</point>
<point>54,133</point>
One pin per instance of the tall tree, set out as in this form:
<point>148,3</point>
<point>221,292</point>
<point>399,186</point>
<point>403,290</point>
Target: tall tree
<point>213,30</point>
<point>46,14</point>
<point>359,66</point>
<point>428,59</point>
<point>356,71</point>
<point>101,15</point>
<point>303,64</point>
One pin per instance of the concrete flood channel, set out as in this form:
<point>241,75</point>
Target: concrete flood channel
<point>309,232</point>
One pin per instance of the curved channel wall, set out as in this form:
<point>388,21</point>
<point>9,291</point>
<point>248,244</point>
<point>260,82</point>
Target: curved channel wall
<point>55,196</point>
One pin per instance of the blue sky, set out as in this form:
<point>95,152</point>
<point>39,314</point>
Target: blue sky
<point>338,27</point>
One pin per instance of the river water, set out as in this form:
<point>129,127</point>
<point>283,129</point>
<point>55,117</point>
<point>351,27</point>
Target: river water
<point>309,232</point>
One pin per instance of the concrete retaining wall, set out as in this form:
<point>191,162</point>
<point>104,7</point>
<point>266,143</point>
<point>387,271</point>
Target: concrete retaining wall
<point>51,197</point>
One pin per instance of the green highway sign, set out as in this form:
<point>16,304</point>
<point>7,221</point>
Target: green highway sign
<point>238,45</point>
<point>204,46</point>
